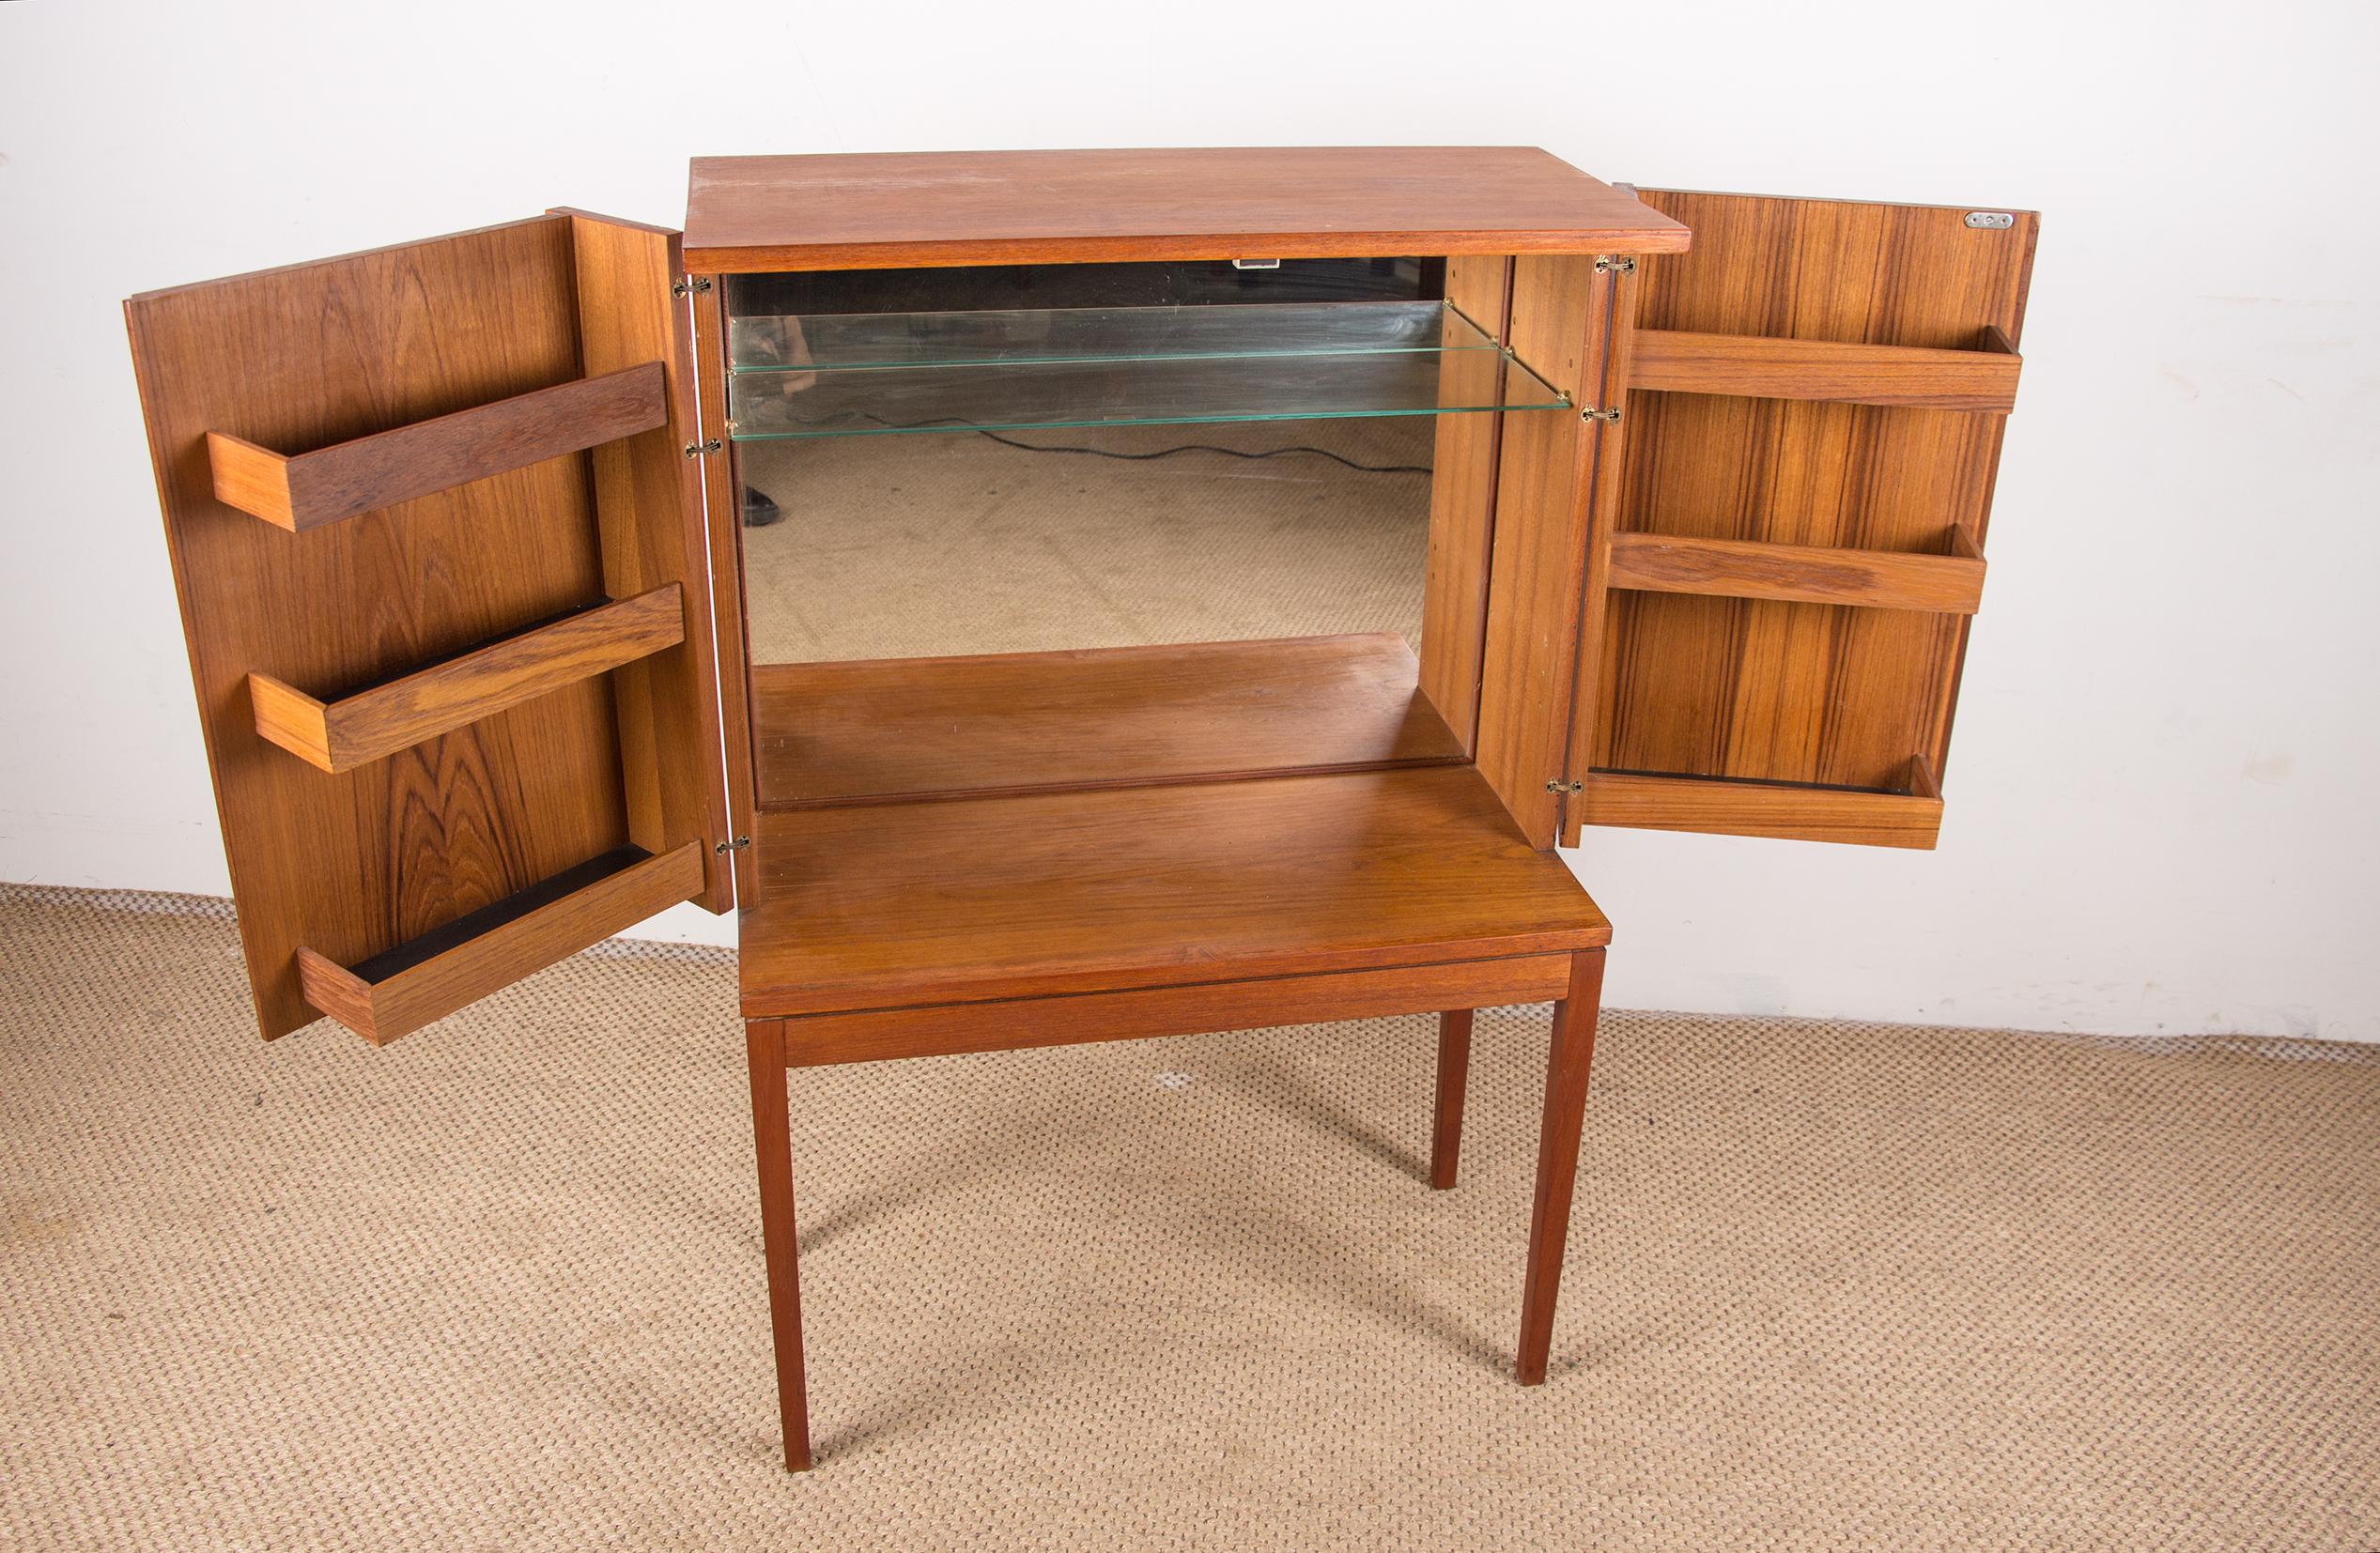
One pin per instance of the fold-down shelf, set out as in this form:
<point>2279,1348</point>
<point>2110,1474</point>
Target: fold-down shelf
<point>859,374</point>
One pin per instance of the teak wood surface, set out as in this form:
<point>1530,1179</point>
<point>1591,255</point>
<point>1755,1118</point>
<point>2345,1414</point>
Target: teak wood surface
<point>649,516</point>
<point>371,723</point>
<point>1096,892</point>
<point>1796,546</point>
<point>723,515</point>
<point>1981,381</point>
<point>1462,515</point>
<point>871,211</point>
<point>1786,812</point>
<point>1738,607</point>
<point>1573,980</point>
<point>300,491</point>
<point>1198,1007</point>
<point>352,864</point>
<point>397,992</point>
<point>1117,717</point>
<point>1562,320</point>
<point>1799,574</point>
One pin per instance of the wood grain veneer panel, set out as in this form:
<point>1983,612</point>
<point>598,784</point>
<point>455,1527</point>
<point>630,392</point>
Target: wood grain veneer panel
<point>415,983</point>
<point>1463,510</point>
<point>374,724</point>
<point>1053,894</point>
<point>1978,381</point>
<point>1796,574</point>
<point>869,211</point>
<point>1014,722</point>
<point>1561,316</point>
<point>648,502</point>
<point>304,490</point>
<point>1777,810</point>
<point>322,354</point>
<point>1011,1024</point>
<point>1766,688</point>
<point>730,632</point>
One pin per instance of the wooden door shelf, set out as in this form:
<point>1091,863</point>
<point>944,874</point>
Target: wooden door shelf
<point>371,725</point>
<point>429,976</point>
<point>1753,366</point>
<point>300,491</point>
<point>1792,811</point>
<point>903,729</point>
<point>1799,574</point>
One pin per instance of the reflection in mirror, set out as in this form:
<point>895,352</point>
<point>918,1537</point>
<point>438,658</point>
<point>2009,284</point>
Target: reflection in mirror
<point>1008,602</point>
<point>1041,540</point>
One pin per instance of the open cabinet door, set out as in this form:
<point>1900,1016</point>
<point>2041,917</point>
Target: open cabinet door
<point>1788,525</point>
<point>437,534</point>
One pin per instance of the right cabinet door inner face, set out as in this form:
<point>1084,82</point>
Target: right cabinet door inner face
<point>1788,546</point>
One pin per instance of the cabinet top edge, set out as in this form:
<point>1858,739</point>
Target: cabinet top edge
<point>900,209</point>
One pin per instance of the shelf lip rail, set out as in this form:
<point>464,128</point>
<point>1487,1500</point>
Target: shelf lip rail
<point>305,490</point>
<point>1981,381</point>
<point>1799,574</point>
<point>1792,811</point>
<point>429,976</point>
<point>371,725</point>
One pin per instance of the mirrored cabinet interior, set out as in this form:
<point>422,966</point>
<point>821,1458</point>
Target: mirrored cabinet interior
<point>1025,527</point>
<point>1072,595</point>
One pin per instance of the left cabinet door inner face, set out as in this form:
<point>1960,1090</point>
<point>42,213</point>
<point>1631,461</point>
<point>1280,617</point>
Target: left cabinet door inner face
<point>440,561</point>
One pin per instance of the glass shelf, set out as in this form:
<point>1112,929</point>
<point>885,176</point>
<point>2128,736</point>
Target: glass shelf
<point>874,374</point>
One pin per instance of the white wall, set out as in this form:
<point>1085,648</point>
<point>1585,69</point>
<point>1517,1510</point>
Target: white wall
<point>2162,805</point>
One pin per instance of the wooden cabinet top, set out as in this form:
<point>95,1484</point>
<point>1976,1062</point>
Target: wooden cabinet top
<point>896,211</point>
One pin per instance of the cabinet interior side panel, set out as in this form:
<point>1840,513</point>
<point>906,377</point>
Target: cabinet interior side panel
<point>299,359</point>
<point>1462,495</point>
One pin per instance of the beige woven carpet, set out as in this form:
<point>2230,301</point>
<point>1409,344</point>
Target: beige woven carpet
<point>500,1286</point>
<point>922,545</point>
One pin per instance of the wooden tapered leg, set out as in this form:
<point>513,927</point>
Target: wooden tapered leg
<point>1454,1068</point>
<point>772,1136</point>
<point>1558,1158</point>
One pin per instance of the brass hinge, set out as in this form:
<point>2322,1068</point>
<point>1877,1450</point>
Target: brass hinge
<point>1607,264</point>
<point>696,449</point>
<point>1574,785</point>
<point>692,283</point>
<point>723,848</point>
<point>1608,417</point>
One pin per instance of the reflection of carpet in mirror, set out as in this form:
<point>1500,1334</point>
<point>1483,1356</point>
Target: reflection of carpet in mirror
<point>927,545</point>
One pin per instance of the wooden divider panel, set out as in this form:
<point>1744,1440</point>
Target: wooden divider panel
<point>1561,323</point>
<point>1808,626</point>
<point>1462,512</point>
<point>353,863</point>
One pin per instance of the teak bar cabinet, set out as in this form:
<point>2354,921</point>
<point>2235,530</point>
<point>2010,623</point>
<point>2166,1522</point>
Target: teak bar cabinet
<point>455,529</point>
